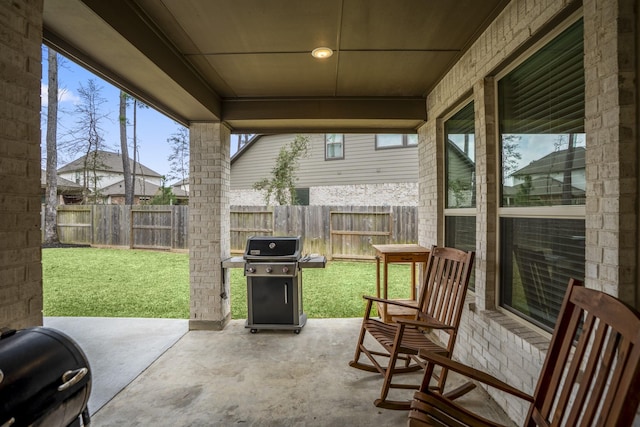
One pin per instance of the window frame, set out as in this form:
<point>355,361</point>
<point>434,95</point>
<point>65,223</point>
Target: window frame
<point>464,211</point>
<point>556,212</point>
<point>404,143</point>
<point>327,143</point>
<point>307,193</point>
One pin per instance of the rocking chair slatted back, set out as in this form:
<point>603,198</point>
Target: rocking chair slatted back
<point>584,383</point>
<point>445,284</point>
<point>590,377</point>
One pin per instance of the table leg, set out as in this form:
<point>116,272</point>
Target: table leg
<point>378,276</point>
<point>413,281</point>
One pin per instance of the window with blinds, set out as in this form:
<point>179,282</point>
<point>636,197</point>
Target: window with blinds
<point>541,119</point>
<point>539,257</point>
<point>541,105</point>
<point>460,188</point>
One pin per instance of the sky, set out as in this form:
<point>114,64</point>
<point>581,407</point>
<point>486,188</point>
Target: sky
<point>153,128</point>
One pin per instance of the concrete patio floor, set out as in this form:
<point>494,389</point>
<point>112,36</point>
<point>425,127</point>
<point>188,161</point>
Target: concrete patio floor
<point>152,372</point>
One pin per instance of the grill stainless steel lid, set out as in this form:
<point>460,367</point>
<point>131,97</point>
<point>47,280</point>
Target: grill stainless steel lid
<point>45,379</point>
<point>270,248</point>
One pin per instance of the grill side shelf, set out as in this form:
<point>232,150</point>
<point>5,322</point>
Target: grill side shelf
<point>233,262</point>
<point>313,262</point>
<point>316,261</point>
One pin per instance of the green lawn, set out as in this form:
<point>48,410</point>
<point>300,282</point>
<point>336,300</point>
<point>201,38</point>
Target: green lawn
<point>133,283</point>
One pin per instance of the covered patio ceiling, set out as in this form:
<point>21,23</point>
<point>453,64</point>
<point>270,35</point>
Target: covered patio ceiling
<point>248,62</point>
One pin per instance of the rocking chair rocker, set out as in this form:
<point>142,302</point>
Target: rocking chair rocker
<point>590,377</point>
<point>441,299</point>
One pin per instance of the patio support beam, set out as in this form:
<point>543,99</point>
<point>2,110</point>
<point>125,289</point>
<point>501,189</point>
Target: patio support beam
<point>118,42</point>
<point>430,198</point>
<point>398,115</point>
<point>612,163</point>
<point>209,225</point>
<point>20,77</point>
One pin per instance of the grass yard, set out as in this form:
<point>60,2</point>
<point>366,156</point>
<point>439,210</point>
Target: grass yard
<point>96,282</point>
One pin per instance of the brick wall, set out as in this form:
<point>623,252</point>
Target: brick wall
<point>20,75</point>
<point>490,339</point>
<point>612,153</point>
<point>209,225</point>
<point>397,194</point>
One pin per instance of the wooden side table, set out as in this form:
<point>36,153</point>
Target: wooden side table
<point>394,254</point>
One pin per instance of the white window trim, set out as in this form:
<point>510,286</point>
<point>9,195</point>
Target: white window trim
<point>556,212</point>
<point>326,144</point>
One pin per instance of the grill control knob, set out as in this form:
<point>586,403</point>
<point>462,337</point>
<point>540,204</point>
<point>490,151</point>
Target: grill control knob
<point>251,269</point>
<point>268,269</point>
<point>285,269</point>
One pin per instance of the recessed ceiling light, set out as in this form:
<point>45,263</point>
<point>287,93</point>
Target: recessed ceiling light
<point>321,52</point>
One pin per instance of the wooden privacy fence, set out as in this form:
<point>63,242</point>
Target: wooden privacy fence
<point>345,232</point>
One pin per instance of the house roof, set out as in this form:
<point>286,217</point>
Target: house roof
<point>455,149</point>
<point>181,182</point>
<point>142,188</point>
<point>554,162</point>
<point>108,162</point>
<point>179,192</point>
<point>64,185</point>
<point>249,64</point>
<point>543,186</point>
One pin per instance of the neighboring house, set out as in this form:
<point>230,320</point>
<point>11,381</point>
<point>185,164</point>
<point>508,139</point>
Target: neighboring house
<point>144,192</point>
<point>69,193</point>
<point>542,182</point>
<point>114,193</point>
<point>181,190</point>
<point>109,174</point>
<point>460,177</point>
<point>339,169</point>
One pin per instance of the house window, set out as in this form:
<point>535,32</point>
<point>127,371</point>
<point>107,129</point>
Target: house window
<point>460,232</point>
<point>334,146</point>
<point>302,196</point>
<point>395,140</point>
<point>460,159</point>
<point>542,230</point>
<point>460,170</point>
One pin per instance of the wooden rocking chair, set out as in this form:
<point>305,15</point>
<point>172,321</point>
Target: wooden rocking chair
<point>439,306</point>
<point>591,375</point>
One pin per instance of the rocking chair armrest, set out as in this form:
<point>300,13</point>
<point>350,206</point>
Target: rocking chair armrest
<point>389,301</point>
<point>473,374</point>
<point>424,324</point>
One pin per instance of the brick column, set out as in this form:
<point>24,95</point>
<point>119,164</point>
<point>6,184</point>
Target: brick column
<point>20,241</point>
<point>612,147</point>
<point>486,193</point>
<point>430,200</point>
<point>209,225</point>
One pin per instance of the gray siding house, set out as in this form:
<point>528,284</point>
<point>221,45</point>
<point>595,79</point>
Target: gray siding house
<point>338,169</point>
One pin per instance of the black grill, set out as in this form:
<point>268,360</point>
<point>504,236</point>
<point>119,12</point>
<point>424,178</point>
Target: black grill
<point>274,283</point>
<point>45,379</point>
<point>269,248</point>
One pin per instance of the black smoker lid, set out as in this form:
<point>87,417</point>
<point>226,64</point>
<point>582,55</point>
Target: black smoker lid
<point>271,246</point>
